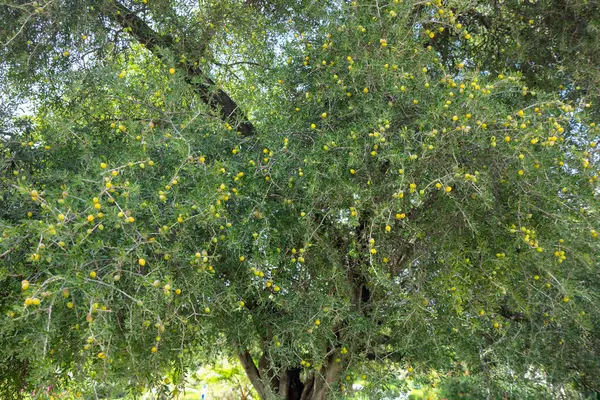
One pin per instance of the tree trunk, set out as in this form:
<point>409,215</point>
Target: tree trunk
<point>290,385</point>
<point>253,374</point>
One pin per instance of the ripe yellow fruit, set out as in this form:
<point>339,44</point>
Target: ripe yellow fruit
<point>93,274</point>
<point>142,262</point>
<point>90,218</point>
<point>25,284</point>
<point>171,71</point>
<point>448,189</point>
<point>103,165</point>
<point>366,90</point>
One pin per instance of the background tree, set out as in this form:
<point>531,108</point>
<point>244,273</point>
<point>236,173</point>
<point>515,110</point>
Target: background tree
<point>324,190</point>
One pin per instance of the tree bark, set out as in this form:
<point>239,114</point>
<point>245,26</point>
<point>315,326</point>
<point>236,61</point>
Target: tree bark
<point>290,384</point>
<point>217,99</point>
<point>253,374</point>
<point>323,380</point>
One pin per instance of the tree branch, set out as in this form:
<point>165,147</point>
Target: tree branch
<point>217,100</point>
<point>253,374</point>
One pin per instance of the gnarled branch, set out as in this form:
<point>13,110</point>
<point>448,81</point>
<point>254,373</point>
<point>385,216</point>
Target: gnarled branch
<point>217,99</point>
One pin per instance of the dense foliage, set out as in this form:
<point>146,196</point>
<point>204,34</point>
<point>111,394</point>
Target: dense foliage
<point>327,191</point>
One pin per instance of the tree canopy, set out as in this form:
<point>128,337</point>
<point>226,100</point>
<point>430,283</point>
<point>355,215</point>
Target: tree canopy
<point>326,190</point>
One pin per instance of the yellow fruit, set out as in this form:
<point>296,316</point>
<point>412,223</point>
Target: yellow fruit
<point>171,71</point>
<point>142,262</point>
<point>25,284</point>
<point>90,218</point>
<point>93,274</point>
<point>103,165</point>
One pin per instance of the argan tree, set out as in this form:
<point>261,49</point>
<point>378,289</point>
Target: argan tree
<point>325,190</point>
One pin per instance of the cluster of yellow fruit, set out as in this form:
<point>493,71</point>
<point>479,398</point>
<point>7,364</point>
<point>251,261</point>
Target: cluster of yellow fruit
<point>560,256</point>
<point>32,301</point>
<point>529,236</point>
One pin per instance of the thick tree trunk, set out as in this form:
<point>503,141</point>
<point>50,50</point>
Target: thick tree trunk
<point>289,384</point>
<point>253,374</point>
